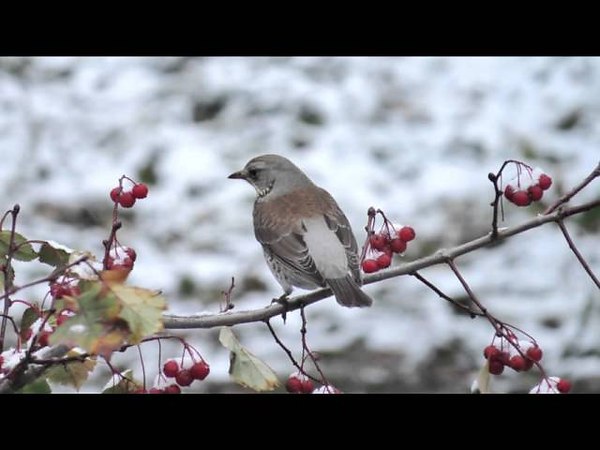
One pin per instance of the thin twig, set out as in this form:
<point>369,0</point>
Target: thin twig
<point>569,195</point>
<point>288,351</point>
<point>435,289</point>
<point>310,353</point>
<point>6,269</point>
<point>578,255</point>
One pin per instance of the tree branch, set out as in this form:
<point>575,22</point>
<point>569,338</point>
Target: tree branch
<point>440,257</point>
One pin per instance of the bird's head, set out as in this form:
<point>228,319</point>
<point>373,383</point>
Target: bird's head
<point>272,174</point>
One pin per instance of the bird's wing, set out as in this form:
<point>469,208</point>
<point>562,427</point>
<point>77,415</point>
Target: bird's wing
<point>338,223</point>
<point>287,246</point>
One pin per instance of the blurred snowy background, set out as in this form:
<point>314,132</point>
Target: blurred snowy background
<point>413,136</point>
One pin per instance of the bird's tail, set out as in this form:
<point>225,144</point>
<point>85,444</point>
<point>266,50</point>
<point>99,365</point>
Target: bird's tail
<point>348,293</point>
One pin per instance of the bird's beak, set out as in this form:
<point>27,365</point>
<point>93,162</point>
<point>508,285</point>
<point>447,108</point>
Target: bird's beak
<point>240,175</point>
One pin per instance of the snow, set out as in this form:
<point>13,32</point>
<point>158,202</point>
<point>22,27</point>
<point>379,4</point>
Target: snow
<point>414,136</point>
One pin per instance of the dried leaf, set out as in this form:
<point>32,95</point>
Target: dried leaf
<point>245,368</point>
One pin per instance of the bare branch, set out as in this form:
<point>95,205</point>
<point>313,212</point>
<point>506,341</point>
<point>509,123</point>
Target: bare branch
<point>440,257</point>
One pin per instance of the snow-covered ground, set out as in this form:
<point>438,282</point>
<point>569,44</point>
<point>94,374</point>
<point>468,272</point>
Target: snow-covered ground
<point>413,136</point>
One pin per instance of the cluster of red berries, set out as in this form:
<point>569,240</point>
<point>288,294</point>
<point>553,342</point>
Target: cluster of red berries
<point>498,358</point>
<point>383,245</point>
<point>65,289</point>
<point>524,191</point>
<point>184,376</point>
<point>44,334</point>
<point>121,258</point>
<point>552,385</point>
<point>170,389</point>
<point>127,198</point>
<point>298,383</point>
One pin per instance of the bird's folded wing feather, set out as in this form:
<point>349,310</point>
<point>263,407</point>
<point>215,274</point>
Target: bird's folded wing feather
<point>338,223</point>
<point>289,249</point>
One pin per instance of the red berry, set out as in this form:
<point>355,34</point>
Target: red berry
<point>370,266</point>
<point>200,370</point>
<point>517,363</point>
<point>293,385</point>
<point>156,391</point>
<point>495,367</point>
<point>171,368</point>
<point>544,181</point>
<point>534,353</point>
<point>127,263</point>
<point>563,386</point>
<point>509,192</point>
<point>58,291</point>
<point>378,241</point>
<point>535,192</point>
<point>131,253</point>
<point>126,200</point>
<point>307,386</point>
<point>521,198</point>
<point>43,338</point>
<point>406,234</point>
<point>528,364</point>
<point>74,291</point>
<point>398,245</point>
<point>115,194</point>
<point>140,190</point>
<point>504,357</point>
<point>491,352</point>
<point>184,377</point>
<point>63,316</point>
<point>384,261</point>
<point>172,389</point>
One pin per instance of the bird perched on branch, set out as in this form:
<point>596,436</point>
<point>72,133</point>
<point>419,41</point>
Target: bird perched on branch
<point>306,238</point>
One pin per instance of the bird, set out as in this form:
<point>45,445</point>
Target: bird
<point>306,238</point>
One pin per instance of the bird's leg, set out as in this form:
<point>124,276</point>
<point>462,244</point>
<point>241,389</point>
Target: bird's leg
<point>283,300</point>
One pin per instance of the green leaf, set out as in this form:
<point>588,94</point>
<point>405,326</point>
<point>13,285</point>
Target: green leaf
<point>141,309</point>
<point>245,368</point>
<point>54,254</point>
<point>124,385</point>
<point>39,386</point>
<point>74,373</point>
<point>29,316</point>
<point>96,327</point>
<point>24,252</point>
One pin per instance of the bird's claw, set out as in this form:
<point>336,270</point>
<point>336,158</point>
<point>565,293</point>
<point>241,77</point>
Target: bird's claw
<point>283,301</point>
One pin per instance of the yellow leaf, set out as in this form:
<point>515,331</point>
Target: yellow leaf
<point>141,309</point>
<point>245,368</point>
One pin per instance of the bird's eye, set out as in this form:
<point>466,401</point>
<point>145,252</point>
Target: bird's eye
<point>252,173</point>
